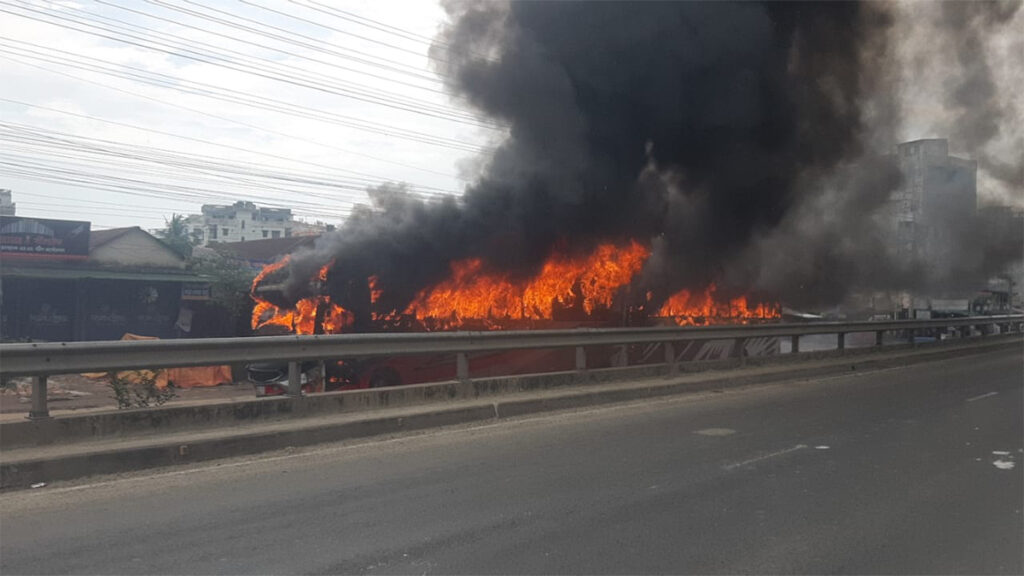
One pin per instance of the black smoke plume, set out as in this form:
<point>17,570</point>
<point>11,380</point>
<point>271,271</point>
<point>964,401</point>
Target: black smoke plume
<point>700,127</point>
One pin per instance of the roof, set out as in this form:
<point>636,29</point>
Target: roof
<point>75,273</point>
<point>100,237</point>
<point>262,250</point>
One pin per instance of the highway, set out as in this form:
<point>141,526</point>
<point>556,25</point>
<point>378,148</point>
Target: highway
<point>908,470</point>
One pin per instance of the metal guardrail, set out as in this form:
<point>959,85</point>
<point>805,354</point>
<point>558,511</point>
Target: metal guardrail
<point>45,359</point>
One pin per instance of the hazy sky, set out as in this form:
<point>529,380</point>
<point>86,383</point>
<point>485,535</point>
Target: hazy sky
<point>197,106</point>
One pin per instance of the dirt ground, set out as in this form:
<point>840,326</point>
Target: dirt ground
<point>74,392</point>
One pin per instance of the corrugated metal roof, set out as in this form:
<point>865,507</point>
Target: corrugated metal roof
<point>70,273</point>
<point>263,250</point>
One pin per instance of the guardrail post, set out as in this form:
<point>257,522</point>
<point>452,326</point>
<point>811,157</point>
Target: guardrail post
<point>621,357</point>
<point>879,337</point>
<point>39,410</point>
<point>462,367</point>
<point>670,359</point>
<point>294,379</point>
<point>581,359</point>
<point>841,341</point>
<point>910,336</point>
<point>794,345</point>
<point>741,350</point>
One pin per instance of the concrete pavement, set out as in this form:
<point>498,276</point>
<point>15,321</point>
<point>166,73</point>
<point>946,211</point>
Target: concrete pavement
<point>915,469</point>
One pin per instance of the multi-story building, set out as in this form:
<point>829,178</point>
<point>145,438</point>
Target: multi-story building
<point>243,221</point>
<point>7,207</point>
<point>938,197</point>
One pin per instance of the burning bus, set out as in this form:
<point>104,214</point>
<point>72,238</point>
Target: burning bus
<point>594,289</point>
<point>634,178</point>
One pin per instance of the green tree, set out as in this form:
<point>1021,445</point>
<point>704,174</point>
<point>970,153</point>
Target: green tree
<point>175,235</point>
<point>229,280</point>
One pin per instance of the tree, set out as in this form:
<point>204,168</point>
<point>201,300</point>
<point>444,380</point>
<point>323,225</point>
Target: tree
<point>230,281</point>
<point>175,235</point>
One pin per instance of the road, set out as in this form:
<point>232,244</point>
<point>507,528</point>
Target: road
<point>911,470</point>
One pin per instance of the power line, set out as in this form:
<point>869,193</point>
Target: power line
<point>386,28</point>
<point>160,173</point>
<point>68,59</point>
<point>363,21</point>
<point>72,165</point>
<point>235,121</point>
<point>281,74</point>
<point>83,180</point>
<point>79,149</point>
<point>285,39</point>
<point>179,136</point>
<point>328,27</point>
<point>133,150</point>
<point>286,15</point>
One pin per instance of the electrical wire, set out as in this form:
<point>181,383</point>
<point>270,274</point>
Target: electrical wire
<point>138,75</point>
<point>278,73</point>
<point>187,138</point>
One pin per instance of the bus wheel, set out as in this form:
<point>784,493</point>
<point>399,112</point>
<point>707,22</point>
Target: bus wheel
<point>383,377</point>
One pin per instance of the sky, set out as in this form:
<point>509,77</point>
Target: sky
<point>124,112</point>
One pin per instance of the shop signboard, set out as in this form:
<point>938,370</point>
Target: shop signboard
<point>42,238</point>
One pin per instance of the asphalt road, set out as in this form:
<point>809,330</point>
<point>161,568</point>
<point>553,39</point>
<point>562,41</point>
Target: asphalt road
<point>914,470</point>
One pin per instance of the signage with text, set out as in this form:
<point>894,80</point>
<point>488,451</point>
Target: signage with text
<point>43,238</point>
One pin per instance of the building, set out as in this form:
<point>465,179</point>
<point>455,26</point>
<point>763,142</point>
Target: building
<point>937,200</point>
<point>62,281</point>
<point>245,221</point>
<point>7,207</point>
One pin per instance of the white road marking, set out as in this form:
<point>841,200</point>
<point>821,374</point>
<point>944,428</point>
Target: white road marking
<point>1004,464</point>
<point>822,447</point>
<point>735,465</point>
<point>1000,453</point>
<point>986,395</point>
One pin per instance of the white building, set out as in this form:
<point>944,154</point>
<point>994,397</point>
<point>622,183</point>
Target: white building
<point>6,205</point>
<point>244,221</point>
<point>938,196</point>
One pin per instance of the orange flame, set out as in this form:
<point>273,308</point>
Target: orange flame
<point>587,284</point>
<point>304,316</point>
<point>590,282</point>
<point>268,269</point>
<point>372,284</point>
<point>688,309</point>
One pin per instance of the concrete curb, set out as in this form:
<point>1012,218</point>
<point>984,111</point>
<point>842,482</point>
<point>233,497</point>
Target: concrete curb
<point>115,460</point>
<point>81,460</point>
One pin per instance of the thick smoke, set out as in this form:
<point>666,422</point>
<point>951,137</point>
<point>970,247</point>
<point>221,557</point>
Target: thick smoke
<point>980,114</point>
<point>961,79</point>
<point>951,82</point>
<point>721,132</point>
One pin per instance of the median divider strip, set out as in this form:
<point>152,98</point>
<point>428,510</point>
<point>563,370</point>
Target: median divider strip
<point>138,444</point>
